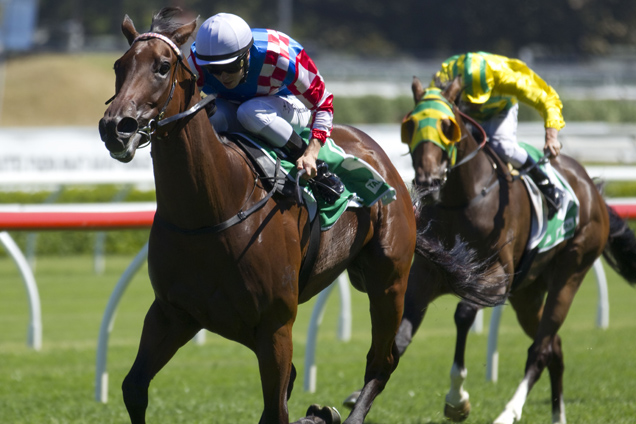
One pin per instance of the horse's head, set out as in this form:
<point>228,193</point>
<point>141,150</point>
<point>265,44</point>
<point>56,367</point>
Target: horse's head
<point>145,80</point>
<point>431,131</point>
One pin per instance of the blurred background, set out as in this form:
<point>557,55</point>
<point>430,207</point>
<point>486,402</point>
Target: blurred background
<point>56,59</point>
<point>584,48</point>
<point>56,72</point>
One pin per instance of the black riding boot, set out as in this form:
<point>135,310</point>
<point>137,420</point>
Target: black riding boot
<point>325,184</point>
<point>552,195</point>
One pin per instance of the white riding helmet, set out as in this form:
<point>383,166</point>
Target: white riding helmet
<point>222,39</point>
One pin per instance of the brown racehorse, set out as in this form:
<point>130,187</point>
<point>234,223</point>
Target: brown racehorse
<point>242,281</point>
<point>491,212</point>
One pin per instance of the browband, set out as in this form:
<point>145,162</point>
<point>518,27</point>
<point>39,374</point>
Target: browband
<point>150,35</point>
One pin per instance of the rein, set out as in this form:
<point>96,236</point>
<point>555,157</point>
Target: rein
<point>481,145</point>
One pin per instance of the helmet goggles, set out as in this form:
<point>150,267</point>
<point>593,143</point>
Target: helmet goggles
<point>229,68</point>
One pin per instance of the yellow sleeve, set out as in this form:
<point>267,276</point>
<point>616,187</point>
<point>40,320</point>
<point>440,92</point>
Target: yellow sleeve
<point>513,77</point>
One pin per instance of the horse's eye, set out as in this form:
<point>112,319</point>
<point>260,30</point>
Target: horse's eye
<point>164,68</point>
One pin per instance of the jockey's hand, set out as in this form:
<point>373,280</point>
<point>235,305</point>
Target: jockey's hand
<point>552,143</point>
<point>308,160</point>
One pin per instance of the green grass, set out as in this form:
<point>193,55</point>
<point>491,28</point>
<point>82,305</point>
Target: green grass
<point>219,382</point>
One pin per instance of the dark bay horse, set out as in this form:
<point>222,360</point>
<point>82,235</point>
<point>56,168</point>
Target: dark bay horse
<point>491,212</point>
<point>242,282</point>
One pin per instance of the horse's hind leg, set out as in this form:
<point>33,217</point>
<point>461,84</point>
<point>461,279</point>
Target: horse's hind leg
<point>542,325</point>
<point>556,368</point>
<point>163,334</point>
<point>421,291</point>
<point>457,407</point>
<point>386,305</point>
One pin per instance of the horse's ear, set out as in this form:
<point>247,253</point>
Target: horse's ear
<point>128,28</point>
<point>181,35</point>
<point>418,90</point>
<point>452,91</point>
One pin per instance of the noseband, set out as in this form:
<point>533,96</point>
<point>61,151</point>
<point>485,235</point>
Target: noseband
<point>159,121</point>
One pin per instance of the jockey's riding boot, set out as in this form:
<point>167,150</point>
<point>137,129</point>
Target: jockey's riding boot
<point>553,195</point>
<point>325,184</point>
<point>294,148</point>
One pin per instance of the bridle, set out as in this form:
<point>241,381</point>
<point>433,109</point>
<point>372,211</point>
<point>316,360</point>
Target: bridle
<point>159,121</point>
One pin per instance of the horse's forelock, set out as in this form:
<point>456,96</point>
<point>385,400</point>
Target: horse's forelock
<point>167,21</point>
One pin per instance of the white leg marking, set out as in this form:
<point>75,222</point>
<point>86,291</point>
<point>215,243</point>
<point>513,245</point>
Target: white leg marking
<point>559,417</point>
<point>513,409</point>
<point>457,396</point>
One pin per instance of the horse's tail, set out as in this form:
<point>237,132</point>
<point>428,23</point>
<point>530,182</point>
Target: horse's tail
<point>461,270</point>
<point>620,250</point>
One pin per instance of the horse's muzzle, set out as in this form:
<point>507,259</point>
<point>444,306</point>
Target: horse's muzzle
<point>120,137</point>
<point>428,189</point>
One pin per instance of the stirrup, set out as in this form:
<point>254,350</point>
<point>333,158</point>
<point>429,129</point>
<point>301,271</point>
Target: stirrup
<point>553,198</point>
<point>326,184</point>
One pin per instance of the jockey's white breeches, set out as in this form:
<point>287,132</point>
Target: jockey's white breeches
<point>502,135</point>
<point>272,117</point>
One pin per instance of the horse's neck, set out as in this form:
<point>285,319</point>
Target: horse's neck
<point>468,179</point>
<point>196,177</point>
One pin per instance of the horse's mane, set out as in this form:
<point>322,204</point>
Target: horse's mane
<point>167,21</point>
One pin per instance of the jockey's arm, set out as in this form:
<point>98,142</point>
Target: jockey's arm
<point>552,143</point>
<point>308,160</point>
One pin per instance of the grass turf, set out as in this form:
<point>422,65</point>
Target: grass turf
<point>219,382</point>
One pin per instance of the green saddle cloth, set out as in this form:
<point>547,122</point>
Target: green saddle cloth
<point>363,185</point>
<point>563,224</point>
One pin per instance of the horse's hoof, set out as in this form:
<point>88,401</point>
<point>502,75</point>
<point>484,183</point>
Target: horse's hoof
<point>350,402</point>
<point>328,414</point>
<point>457,413</point>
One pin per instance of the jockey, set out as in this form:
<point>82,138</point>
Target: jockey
<point>492,86</point>
<point>266,84</point>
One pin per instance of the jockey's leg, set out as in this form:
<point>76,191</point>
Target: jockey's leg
<point>553,195</point>
<point>275,118</point>
<point>279,120</point>
<point>502,133</point>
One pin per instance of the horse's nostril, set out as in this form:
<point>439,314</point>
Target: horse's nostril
<point>127,126</point>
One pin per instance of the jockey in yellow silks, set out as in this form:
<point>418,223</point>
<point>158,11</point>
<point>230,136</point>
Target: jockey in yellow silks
<point>493,85</point>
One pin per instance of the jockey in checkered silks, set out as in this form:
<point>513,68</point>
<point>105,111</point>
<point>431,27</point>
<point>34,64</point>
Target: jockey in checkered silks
<point>265,84</point>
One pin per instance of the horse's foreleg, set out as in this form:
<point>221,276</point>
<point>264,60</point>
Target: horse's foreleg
<point>457,407</point>
<point>274,352</point>
<point>163,334</point>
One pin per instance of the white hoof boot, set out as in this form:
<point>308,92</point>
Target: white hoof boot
<point>508,416</point>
